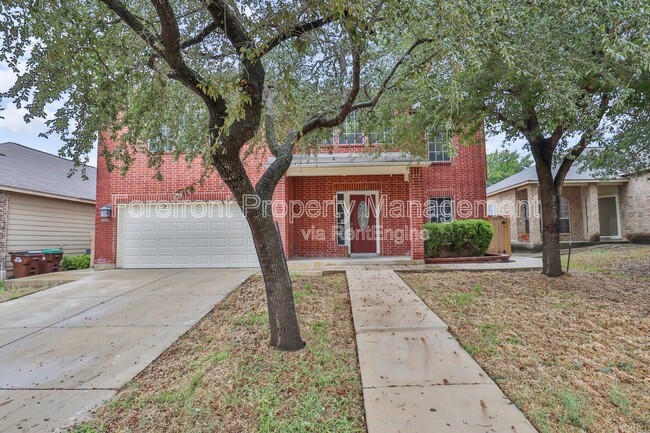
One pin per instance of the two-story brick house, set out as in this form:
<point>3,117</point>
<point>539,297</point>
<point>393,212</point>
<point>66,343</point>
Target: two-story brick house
<point>341,202</point>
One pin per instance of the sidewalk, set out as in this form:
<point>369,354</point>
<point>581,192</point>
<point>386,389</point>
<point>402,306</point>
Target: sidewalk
<point>416,377</point>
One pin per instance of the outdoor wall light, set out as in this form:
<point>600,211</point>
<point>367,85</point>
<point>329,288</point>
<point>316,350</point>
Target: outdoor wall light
<point>106,211</point>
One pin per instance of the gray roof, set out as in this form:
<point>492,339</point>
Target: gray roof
<point>576,173</point>
<point>29,169</point>
<point>353,159</point>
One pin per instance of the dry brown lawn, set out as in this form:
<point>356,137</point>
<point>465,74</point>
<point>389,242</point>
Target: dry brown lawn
<point>222,376</point>
<point>572,352</point>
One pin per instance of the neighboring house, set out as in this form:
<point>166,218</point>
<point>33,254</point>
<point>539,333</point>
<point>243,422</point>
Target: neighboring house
<point>40,206</point>
<point>591,208</point>
<point>319,205</point>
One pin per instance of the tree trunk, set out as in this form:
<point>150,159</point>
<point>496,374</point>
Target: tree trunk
<point>550,200</point>
<point>283,321</point>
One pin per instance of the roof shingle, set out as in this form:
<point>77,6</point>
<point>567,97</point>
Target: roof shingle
<point>32,170</point>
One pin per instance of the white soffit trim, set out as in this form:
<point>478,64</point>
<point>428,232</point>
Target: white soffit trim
<point>350,170</point>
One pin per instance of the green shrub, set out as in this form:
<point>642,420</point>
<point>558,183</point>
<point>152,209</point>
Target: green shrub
<point>435,239</point>
<point>638,238</point>
<point>462,237</point>
<point>69,263</point>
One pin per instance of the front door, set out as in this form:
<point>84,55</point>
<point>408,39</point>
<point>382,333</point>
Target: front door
<point>363,224</point>
<point>608,217</point>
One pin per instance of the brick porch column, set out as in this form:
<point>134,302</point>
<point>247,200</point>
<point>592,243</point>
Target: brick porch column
<point>534,214</point>
<point>416,218</point>
<point>590,199</point>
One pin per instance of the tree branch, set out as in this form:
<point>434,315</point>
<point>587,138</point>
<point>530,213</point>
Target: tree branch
<point>225,19</point>
<point>384,85</point>
<point>284,155</point>
<point>557,135</point>
<point>577,150</point>
<point>253,75</point>
<point>200,36</point>
<point>132,21</point>
<point>295,32</point>
<point>269,124</point>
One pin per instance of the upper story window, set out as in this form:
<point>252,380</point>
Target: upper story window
<point>162,142</point>
<point>438,142</point>
<point>350,131</point>
<point>381,137</point>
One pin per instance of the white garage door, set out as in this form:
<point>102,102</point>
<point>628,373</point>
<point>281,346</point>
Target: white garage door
<point>196,235</point>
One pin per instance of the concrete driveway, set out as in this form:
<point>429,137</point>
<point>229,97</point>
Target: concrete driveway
<point>65,350</point>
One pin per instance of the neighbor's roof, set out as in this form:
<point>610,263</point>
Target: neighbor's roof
<point>354,159</point>
<point>29,170</point>
<point>576,173</point>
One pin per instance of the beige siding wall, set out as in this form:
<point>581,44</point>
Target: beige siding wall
<point>4,209</point>
<point>36,223</point>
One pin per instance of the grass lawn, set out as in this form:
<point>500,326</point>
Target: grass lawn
<point>9,294</point>
<point>625,261</point>
<point>221,376</point>
<point>572,352</point>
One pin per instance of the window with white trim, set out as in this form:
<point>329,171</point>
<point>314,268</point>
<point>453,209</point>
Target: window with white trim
<point>329,141</point>
<point>438,142</point>
<point>350,131</point>
<point>526,215</point>
<point>340,219</point>
<point>381,137</point>
<point>441,209</point>
<point>565,220</point>
<point>162,142</point>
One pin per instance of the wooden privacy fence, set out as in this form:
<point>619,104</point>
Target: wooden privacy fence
<point>501,240</point>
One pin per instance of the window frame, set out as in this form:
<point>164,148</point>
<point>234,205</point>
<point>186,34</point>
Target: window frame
<point>437,217</point>
<point>437,142</point>
<point>350,127</point>
<point>164,142</point>
<point>564,201</point>
<point>341,241</point>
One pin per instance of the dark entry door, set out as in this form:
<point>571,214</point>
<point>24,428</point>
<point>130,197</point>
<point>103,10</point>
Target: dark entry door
<point>363,224</point>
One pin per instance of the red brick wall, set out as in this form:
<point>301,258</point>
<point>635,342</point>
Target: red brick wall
<point>323,189</point>
<point>462,179</point>
<point>139,184</point>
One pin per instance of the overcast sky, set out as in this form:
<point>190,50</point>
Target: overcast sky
<point>13,128</point>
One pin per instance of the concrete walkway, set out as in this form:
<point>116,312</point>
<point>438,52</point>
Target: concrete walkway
<point>416,377</point>
<point>65,350</point>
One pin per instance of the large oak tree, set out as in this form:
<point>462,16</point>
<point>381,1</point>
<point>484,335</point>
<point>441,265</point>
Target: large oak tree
<point>209,74</point>
<point>555,73</point>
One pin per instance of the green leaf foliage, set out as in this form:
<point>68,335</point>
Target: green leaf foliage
<point>81,58</point>
<point>505,163</point>
<point>462,237</point>
<point>70,263</point>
